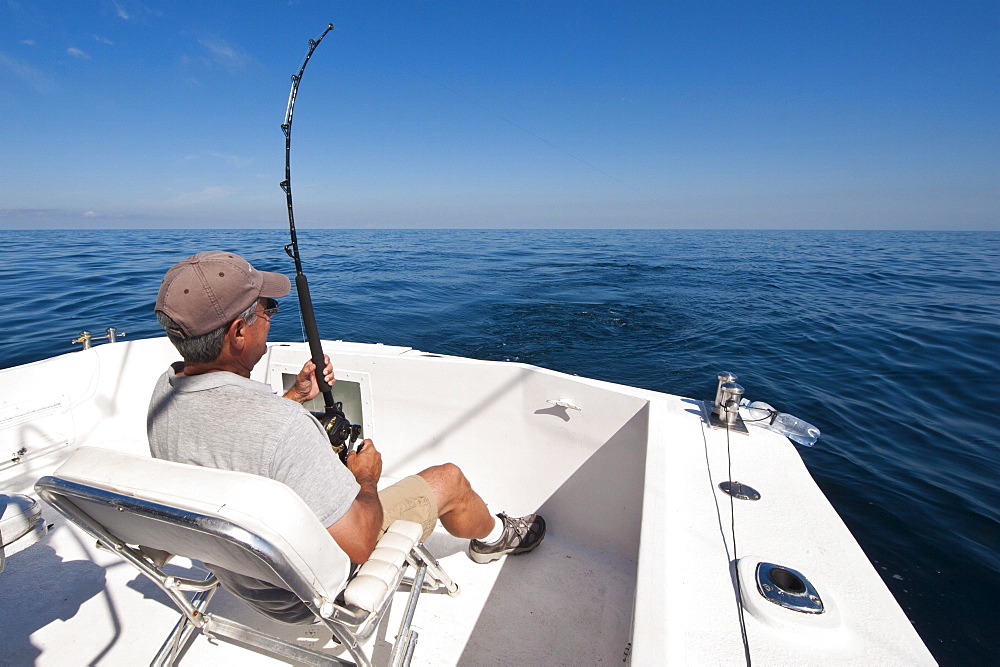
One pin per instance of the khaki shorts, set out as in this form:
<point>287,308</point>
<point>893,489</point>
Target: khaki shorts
<point>411,499</point>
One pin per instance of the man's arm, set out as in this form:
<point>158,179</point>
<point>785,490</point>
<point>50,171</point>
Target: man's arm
<point>357,531</point>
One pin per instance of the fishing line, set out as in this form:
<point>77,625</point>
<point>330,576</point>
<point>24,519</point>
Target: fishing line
<point>732,530</point>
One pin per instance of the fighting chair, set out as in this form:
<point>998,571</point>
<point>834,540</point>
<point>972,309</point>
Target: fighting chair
<point>148,510</point>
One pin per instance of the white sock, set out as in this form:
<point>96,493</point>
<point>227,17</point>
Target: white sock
<point>496,532</point>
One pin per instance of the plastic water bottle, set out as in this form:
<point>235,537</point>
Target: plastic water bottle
<point>795,429</point>
<point>790,426</point>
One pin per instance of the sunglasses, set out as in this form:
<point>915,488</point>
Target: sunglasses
<point>270,309</point>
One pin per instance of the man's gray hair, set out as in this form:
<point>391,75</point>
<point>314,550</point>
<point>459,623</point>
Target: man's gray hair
<point>206,347</point>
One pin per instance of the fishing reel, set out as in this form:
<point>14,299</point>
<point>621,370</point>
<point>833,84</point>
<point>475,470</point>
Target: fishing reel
<point>341,432</point>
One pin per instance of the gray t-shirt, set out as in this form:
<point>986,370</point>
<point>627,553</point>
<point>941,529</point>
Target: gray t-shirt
<point>223,420</point>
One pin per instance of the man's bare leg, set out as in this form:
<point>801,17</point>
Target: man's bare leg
<point>462,512</point>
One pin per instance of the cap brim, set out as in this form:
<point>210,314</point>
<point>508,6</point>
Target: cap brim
<point>276,285</point>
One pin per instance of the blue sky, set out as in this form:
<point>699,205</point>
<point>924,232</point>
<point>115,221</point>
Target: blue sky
<point>801,114</point>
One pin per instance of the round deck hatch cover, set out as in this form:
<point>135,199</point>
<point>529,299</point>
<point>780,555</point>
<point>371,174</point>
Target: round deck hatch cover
<point>740,490</point>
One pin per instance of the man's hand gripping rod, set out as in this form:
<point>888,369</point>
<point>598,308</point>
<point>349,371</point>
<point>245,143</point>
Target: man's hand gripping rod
<point>341,432</point>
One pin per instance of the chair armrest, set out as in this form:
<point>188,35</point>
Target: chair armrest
<point>379,576</point>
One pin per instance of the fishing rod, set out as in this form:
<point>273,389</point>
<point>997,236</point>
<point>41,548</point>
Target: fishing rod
<point>341,432</point>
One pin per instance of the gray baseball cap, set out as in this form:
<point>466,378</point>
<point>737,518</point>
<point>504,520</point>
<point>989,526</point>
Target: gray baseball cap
<point>210,289</point>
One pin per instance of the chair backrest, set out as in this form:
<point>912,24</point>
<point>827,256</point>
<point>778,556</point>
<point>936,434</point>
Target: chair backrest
<point>244,523</point>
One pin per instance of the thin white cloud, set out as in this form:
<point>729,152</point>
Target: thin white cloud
<point>121,11</point>
<point>104,40</point>
<point>28,42</point>
<point>33,77</point>
<point>225,55</point>
<point>206,195</point>
<point>77,53</point>
<point>229,158</point>
<point>89,214</point>
<point>134,10</point>
<point>12,215</point>
<point>234,160</point>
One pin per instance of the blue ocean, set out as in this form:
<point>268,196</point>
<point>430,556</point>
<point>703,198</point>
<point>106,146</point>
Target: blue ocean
<point>889,342</point>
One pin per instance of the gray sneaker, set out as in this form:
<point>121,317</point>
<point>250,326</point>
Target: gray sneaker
<point>519,537</point>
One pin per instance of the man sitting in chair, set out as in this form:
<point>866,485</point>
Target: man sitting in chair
<point>205,410</point>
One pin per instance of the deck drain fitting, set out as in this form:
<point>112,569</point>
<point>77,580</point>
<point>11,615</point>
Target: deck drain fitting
<point>788,588</point>
<point>740,491</point>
